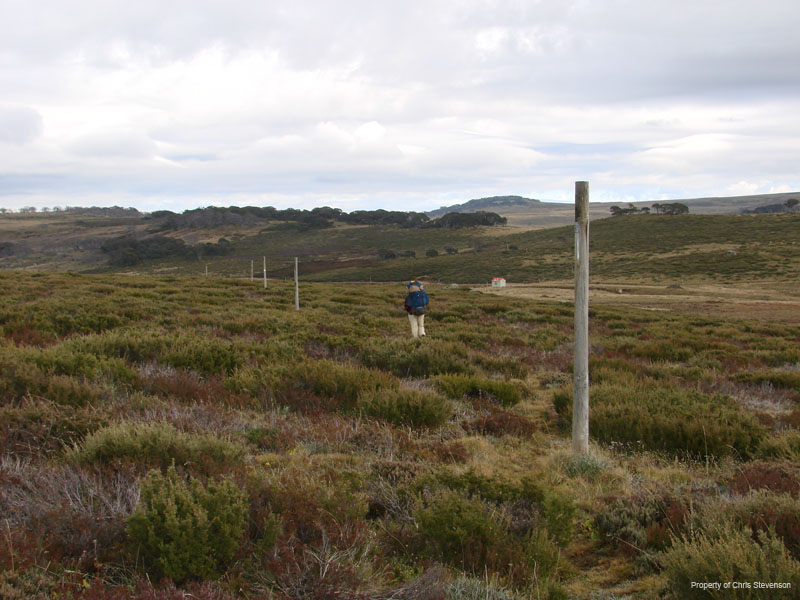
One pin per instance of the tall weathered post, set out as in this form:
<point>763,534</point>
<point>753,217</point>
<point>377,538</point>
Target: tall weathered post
<point>580,404</point>
<point>251,270</point>
<point>296,287</point>
<point>265,272</point>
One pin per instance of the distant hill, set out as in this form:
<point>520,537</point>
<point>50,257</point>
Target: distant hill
<point>494,203</point>
<point>538,214</point>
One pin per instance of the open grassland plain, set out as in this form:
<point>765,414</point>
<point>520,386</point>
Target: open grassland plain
<point>164,436</point>
<point>767,301</point>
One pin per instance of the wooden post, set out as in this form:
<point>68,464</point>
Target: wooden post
<point>265,272</point>
<point>580,404</point>
<point>251,270</point>
<point>296,287</point>
<point>206,270</point>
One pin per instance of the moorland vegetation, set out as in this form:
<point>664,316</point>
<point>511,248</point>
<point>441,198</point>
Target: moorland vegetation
<point>171,435</point>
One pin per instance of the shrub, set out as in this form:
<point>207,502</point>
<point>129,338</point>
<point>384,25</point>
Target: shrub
<point>760,511</point>
<point>406,407</point>
<point>186,529</point>
<point>340,383</point>
<point>531,504</point>
<point>501,422</point>
<point>203,354</point>
<point>785,445</point>
<point>777,377</point>
<point>406,359</point>
<point>467,533</point>
<point>668,419</point>
<point>505,393</point>
<point>779,476</point>
<point>310,507</point>
<point>42,427</point>
<point>476,537</point>
<point>474,588</point>
<point>729,554</point>
<point>158,445</point>
<point>639,523</point>
<point>588,466</point>
<point>69,391</point>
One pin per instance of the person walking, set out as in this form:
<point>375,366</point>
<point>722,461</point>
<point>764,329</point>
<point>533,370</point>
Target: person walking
<point>416,304</point>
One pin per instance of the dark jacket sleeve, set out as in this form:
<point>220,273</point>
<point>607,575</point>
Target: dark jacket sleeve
<point>406,306</point>
<point>425,295</point>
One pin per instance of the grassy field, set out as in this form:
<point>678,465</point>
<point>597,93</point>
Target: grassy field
<point>170,435</point>
<point>722,249</point>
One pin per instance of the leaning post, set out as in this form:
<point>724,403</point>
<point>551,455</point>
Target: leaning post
<point>580,404</point>
<point>296,287</point>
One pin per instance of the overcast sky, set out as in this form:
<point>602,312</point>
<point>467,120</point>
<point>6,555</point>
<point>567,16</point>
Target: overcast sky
<point>381,104</point>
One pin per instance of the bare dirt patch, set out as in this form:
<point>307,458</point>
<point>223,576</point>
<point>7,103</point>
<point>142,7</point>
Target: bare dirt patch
<point>764,301</point>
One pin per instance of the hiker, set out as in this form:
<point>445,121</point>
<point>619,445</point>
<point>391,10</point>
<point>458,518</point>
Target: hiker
<point>416,304</point>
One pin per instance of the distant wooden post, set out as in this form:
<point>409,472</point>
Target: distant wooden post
<point>206,270</point>
<point>251,270</point>
<point>580,404</point>
<point>296,287</point>
<point>265,272</point>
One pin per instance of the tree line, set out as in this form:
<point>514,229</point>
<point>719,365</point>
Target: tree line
<point>316,218</point>
<point>663,208</point>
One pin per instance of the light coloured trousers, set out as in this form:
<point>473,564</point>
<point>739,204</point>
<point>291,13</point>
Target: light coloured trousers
<point>417,325</point>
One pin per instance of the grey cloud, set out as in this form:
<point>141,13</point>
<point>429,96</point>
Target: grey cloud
<point>607,88</point>
<point>19,125</point>
<point>113,144</point>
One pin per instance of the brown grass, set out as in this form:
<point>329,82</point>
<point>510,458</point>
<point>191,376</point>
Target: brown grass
<point>769,301</point>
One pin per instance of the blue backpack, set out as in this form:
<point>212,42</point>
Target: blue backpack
<point>417,300</point>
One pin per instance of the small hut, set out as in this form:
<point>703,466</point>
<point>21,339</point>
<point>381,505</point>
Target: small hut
<point>498,282</point>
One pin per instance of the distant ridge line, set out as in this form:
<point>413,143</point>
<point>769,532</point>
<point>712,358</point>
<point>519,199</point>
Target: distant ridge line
<point>489,203</point>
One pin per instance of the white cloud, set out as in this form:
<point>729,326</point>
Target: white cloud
<point>447,101</point>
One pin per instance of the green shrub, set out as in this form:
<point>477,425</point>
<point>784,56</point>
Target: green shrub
<point>543,555</point>
<point>342,383</point>
<point>785,444</point>
<point>777,377</point>
<point>133,345</point>
<point>185,529</point>
<point>537,505</point>
<point>406,407</point>
<point>588,466</point>
<point>158,445</point>
<point>68,391</point>
<point>726,555</point>
<point>203,354</point>
<point>466,533</point>
<point>407,359</point>
<point>457,386</point>
<point>760,511</point>
<point>664,418</point>
<point>476,537</point>
<point>311,507</point>
<point>44,427</point>
<point>558,508</point>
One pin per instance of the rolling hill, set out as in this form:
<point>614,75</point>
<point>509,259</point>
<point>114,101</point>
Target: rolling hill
<point>649,247</point>
<point>531,213</point>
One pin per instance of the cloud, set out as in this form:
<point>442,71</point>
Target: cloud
<point>445,100</point>
<point>112,144</point>
<point>19,125</point>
